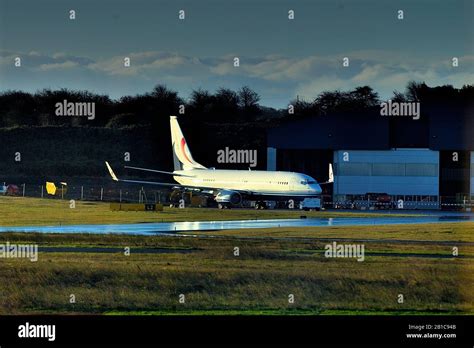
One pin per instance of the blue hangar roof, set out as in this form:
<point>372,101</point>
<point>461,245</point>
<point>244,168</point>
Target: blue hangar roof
<point>439,128</point>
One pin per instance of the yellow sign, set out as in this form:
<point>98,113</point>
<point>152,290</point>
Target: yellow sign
<point>53,190</point>
<point>50,188</point>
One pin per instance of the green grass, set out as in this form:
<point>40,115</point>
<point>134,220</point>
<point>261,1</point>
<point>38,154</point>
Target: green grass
<point>273,263</point>
<point>453,232</point>
<point>216,282</point>
<point>19,211</point>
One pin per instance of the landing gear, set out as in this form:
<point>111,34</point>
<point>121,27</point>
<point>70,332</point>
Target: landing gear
<point>260,205</point>
<point>223,205</point>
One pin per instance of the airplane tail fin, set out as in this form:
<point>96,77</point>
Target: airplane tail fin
<point>182,158</point>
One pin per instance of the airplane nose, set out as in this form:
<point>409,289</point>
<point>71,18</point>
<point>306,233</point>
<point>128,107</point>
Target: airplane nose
<point>317,189</point>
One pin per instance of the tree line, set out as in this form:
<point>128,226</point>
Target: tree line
<point>65,147</point>
<point>225,105</point>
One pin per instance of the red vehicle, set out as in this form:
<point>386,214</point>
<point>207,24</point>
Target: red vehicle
<point>13,190</point>
<point>380,200</point>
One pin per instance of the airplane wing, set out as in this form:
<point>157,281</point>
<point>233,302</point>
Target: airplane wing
<point>115,178</point>
<point>158,171</point>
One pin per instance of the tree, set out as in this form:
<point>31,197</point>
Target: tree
<point>200,104</point>
<point>302,108</point>
<point>17,108</point>
<point>415,91</point>
<point>226,104</point>
<point>151,108</point>
<point>364,97</point>
<point>421,92</point>
<point>162,93</point>
<point>328,101</point>
<point>248,102</point>
<point>165,102</point>
<point>360,98</point>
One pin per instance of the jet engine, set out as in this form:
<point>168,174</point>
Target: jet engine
<point>228,196</point>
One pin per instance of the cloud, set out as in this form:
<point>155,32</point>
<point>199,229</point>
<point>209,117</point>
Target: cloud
<point>58,66</point>
<point>386,74</point>
<point>144,63</point>
<point>34,60</point>
<point>273,76</point>
<point>272,67</point>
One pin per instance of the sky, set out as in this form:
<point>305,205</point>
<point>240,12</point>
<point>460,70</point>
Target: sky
<point>279,58</point>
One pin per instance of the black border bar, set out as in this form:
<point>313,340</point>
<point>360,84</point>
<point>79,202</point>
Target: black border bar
<point>195,330</point>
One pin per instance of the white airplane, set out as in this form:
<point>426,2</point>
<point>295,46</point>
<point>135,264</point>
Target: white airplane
<point>230,187</point>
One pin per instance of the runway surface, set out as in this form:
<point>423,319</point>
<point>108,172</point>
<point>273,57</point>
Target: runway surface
<point>173,227</point>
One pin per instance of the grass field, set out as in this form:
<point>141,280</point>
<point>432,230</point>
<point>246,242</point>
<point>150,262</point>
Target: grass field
<point>19,211</point>
<point>413,260</point>
<point>449,232</point>
<point>258,281</point>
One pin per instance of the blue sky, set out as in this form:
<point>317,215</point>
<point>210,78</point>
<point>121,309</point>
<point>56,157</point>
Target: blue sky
<point>279,58</point>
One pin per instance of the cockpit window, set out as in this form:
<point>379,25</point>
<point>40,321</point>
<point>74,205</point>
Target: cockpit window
<point>311,182</point>
<point>304,182</point>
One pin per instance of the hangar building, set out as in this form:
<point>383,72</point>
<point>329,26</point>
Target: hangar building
<point>427,163</point>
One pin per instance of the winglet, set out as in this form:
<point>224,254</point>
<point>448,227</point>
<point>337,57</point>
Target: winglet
<point>331,174</point>
<point>112,174</point>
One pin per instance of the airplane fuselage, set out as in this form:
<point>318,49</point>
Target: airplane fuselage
<point>265,183</point>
